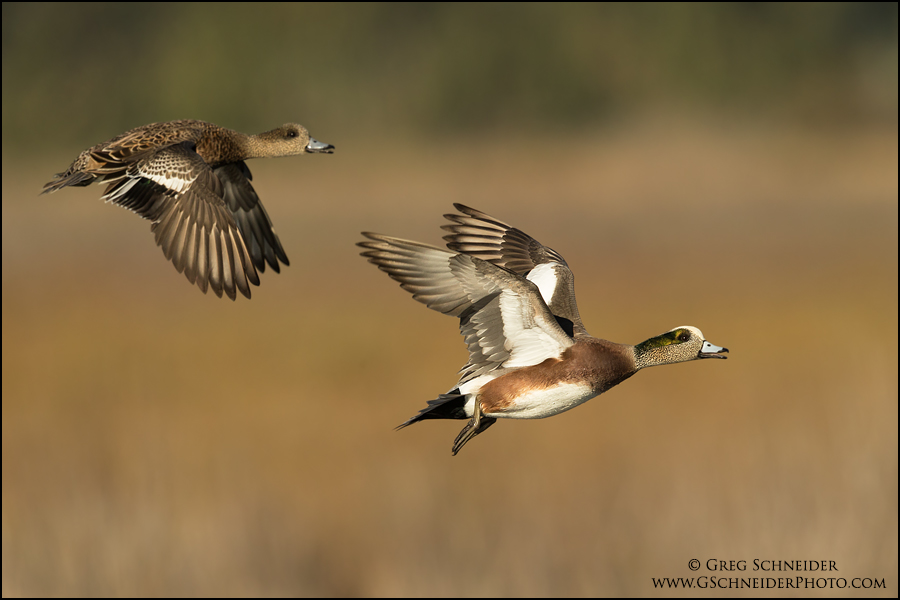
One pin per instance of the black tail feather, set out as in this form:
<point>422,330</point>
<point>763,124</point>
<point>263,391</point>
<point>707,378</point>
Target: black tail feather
<point>446,406</point>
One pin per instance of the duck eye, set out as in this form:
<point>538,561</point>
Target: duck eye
<point>292,133</point>
<point>685,336</point>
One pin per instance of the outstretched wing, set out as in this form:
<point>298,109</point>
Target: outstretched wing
<point>250,215</point>
<point>175,189</point>
<point>482,236</point>
<point>503,318</point>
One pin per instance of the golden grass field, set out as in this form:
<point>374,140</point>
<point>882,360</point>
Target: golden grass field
<point>160,442</point>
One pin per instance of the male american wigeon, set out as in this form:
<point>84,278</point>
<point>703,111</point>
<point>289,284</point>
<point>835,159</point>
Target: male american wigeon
<point>190,179</point>
<point>529,354</point>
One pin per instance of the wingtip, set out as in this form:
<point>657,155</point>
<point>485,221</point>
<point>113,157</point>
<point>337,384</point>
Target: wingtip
<point>368,244</point>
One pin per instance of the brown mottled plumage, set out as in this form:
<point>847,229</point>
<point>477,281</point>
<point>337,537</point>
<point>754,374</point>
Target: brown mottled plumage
<point>529,354</point>
<point>190,179</point>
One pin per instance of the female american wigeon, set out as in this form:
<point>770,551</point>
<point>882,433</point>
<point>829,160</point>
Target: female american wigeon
<point>190,179</point>
<point>529,354</point>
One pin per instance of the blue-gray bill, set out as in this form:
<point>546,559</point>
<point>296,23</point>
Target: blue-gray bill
<point>315,146</point>
<point>711,351</point>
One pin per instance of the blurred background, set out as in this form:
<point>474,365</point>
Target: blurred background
<point>728,166</point>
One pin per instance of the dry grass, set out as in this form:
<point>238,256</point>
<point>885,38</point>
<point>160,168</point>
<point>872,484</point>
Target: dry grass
<point>160,442</point>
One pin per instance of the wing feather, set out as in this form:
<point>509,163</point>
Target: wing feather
<point>251,217</point>
<point>480,235</point>
<point>503,318</point>
<point>176,190</point>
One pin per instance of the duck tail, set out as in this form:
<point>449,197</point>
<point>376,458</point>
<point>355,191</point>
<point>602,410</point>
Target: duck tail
<point>446,406</point>
<point>67,178</point>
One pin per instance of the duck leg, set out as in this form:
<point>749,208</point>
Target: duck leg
<point>476,425</point>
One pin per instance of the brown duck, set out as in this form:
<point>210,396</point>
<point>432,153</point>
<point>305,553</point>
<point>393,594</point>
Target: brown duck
<point>190,179</point>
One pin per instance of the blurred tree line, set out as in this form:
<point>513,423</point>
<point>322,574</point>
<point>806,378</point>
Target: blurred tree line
<point>438,68</point>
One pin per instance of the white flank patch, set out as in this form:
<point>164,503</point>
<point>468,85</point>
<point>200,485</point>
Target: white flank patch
<point>537,404</point>
<point>471,389</point>
<point>544,276</point>
<point>472,386</point>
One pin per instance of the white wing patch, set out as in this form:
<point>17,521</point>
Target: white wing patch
<point>544,277</point>
<point>528,343</point>
<point>178,182</point>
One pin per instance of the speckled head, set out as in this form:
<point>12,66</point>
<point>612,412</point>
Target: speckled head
<point>290,139</point>
<point>680,344</point>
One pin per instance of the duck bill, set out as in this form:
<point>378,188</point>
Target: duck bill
<point>315,146</point>
<point>711,351</point>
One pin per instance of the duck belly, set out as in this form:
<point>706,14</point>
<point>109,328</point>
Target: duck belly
<point>536,403</point>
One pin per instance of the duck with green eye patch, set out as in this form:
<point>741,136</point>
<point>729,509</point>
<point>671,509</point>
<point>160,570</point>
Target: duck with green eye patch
<point>530,356</point>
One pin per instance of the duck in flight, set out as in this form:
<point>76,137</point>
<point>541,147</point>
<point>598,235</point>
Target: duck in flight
<point>190,179</point>
<point>530,356</point>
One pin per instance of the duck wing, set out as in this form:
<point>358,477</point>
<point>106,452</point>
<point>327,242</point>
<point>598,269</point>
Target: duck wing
<point>173,187</point>
<point>251,216</point>
<point>480,235</point>
<point>503,317</point>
